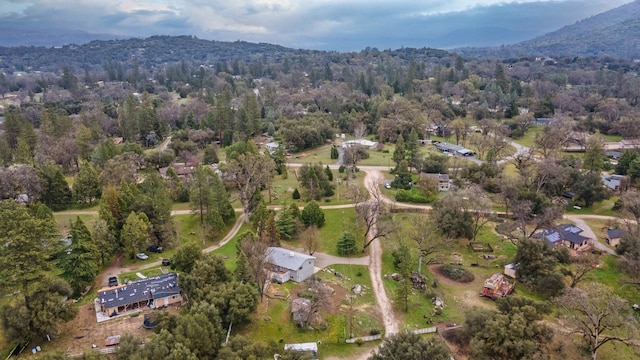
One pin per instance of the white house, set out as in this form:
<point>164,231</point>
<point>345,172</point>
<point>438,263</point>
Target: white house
<point>360,142</point>
<point>285,265</point>
<point>271,147</point>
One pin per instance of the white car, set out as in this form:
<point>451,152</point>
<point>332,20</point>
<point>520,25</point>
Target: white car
<point>387,185</point>
<point>142,256</point>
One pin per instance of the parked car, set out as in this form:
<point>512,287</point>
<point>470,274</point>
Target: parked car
<point>166,262</point>
<point>387,185</point>
<point>155,249</point>
<point>113,281</point>
<point>142,256</point>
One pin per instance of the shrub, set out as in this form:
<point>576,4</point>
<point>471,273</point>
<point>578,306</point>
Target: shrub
<point>341,169</point>
<point>347,244</point>
<point>457,273</point>
<point>296,194</point>
<point>412,196</point>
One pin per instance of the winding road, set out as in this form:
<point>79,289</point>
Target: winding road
<point>373,178</point>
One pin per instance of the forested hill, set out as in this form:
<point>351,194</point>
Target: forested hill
<point>615,33</point>
<point>158,50</point>
<point>146,52</point>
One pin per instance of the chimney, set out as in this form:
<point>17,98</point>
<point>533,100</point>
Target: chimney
<point>291,254</point>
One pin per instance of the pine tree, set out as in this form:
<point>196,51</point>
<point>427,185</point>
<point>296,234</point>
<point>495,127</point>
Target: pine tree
<point>86,187</point>
<point>56,194</point>
<point>135,233</point>
<point>80,264</point>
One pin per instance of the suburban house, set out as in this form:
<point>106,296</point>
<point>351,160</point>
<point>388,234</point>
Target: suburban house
<point>360,142</point>
<point>543,121</point>
<point>567,235</point>
<point>453,149</point>
<point>614,236</point>
<point>443,180</point>
<point>284,265</point>
<point>271,147</point>
<point>612,181</point>
<point>149,293</point>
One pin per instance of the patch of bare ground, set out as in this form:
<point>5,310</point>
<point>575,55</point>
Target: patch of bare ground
<point>78,335</point>
<point>468,293</point>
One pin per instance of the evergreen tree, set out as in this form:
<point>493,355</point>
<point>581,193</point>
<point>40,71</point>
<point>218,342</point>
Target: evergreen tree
<point>312,215</point>
<point>135,233</point>
<point>86,187</point>
<point>80,264</point>
<point>56,194</point>
<point>399,152</point>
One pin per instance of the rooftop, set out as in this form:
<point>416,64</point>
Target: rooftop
<point>140,290</point>
<point>286,258</point>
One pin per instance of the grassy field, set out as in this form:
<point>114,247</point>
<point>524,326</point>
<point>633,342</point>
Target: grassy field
<point>336,222</point>
<point>599,208</point>
<point>320,154</point>
<point>529,137</point>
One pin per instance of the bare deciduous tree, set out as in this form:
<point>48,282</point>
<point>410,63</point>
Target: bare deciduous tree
<point>430,243</point>
<point>598,315</point>
<point>310,239</point>
<point>372,213</point>
<point>256,255</point>
<point>249,173</point>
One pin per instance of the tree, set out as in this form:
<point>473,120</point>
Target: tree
<point>537,265</point>
<point>424,233</point>
<point>347,244</point>
<point>80,263</point>
<point>453,216</point>
<point>38,310</point>
<point>135,233</point>
<point>56,194</point>
<point>86,187</point>
<point>203,205</point>
<point>105,240</point>
<point>515,332</point>
<point>373,214</point>
<point>310,239</point>
<point>186,256</point>
<point>249,173</point>
<point>582,266</point>
<point>402,263</point>
<point>312,215</point>
<point>314,178</point>
<point>256,254</point>
<point>28,243</point>
<point>408,346</point>
<point>296,194</point>
<point>206,274</point>
<point>598,315</point>
<point>399,152</point>
<point>594,154</point>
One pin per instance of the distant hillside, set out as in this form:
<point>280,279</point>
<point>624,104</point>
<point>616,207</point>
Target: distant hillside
<point>158,50</point>
<point>615,33</point>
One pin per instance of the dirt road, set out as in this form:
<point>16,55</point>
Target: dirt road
<point>391,325</point>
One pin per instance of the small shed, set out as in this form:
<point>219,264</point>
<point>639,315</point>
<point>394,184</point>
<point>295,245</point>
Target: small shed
<point>112,340</point>
<point>510,270</point>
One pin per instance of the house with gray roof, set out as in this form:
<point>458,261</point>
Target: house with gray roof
<point>612,182</point>
<point>453,149</point>
<point>284,265</point>
<point>614,236</point>
<point>567,235</point>
<point>150,293</point>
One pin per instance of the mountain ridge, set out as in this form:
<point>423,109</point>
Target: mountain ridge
<point>613,33</point>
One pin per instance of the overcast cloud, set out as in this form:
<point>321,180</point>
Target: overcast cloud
<point>317,24</point>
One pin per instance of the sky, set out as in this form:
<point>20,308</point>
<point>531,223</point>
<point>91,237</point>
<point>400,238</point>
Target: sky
<point>340,25</point>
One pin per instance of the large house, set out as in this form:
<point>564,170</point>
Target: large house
<point>284,265</point>
<point>612,182</point>
<point>567,235</point>
<point>149,293</point>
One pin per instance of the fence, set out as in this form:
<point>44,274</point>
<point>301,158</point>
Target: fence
<point>364,339</point>
<point>425,330</point>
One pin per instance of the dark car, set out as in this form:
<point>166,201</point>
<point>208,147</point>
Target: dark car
<point>113,281</point>
<point>166,262</point>
<point>155,249</point>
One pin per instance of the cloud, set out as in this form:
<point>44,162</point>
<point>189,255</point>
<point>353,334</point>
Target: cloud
<point>320,24</point>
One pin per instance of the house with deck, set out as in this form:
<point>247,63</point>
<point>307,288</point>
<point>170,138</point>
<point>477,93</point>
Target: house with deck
<point>567,235</point>
<point>150,293</point>
<point>284,265</point>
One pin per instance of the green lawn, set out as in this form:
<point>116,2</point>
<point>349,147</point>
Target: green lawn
<point>228,250</point>
<point>320,154</point>
<point>336,222</point>
<point>64,219</point>
<point>272,322</point>
<point>529,137</point>
<point>599,208</point>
